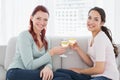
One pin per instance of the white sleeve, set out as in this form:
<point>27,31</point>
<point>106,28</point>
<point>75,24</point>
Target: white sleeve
<point>99,48</point>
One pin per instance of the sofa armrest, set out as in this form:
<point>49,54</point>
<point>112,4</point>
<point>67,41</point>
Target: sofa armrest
<point>118,57</point>
<point>2,54</point>
<point>10,51</point>
<point>2,73</point>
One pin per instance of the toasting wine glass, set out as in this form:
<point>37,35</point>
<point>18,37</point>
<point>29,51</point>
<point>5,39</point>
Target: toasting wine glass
<point>64,43</point>
<point>72,41</point>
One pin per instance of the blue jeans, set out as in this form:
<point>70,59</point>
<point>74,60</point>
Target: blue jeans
<point>77,76</point>
<point>22,74</point>
<point>61,76</point>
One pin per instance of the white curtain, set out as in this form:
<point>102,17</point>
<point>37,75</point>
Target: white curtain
<point>15,14</point>
<point>14,17</point>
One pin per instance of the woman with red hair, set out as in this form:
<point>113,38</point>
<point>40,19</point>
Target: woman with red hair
<point>32,59</point>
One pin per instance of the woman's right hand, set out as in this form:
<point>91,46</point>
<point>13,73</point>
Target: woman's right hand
<point>57,50</point>
<point>46,73</point>
<point>74,46</point>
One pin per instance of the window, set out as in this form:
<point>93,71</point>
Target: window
<point>71,16</point>
<point>67,17</point>
<point>14,17</point>
<point>0,20</point>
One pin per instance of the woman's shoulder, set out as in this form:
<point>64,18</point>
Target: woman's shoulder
<point>102,37</point>
<point>25,35</point>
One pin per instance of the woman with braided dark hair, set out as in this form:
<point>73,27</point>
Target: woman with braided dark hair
<point>101,51</point>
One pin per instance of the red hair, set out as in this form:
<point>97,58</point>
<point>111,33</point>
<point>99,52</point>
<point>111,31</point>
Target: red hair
<point>31,30</point>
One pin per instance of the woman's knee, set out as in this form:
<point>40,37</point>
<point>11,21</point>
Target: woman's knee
<point>60,74</point>
<point>10,75</point>
<point>62,78</point>
<point>66,71</point>
<point>100,78</point>
<point>60,70</point>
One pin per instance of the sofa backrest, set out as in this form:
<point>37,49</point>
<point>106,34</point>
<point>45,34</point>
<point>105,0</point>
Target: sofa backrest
<point>72,60</point>
<point>10,51</point>
<point>2,54</point>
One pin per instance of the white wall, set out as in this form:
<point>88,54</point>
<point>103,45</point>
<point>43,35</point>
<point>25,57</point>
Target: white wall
<point>117,21</point>
<point>109,7</point>
<point>11,23</point>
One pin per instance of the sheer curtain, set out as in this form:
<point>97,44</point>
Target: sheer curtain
<point>14,17</point>
<point>71,16</point>
<point>117,22</point>
<point>0,20</point>
<point>15,14</point>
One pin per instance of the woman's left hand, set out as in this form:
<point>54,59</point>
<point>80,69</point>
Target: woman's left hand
<point>46,73</point>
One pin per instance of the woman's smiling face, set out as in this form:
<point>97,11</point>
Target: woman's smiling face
<point>94,21</point>
<point>39,20</point>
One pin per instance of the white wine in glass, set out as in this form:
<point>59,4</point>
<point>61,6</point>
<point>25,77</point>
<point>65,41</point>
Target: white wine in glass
<point>64,43</point>
<point>72,41</point>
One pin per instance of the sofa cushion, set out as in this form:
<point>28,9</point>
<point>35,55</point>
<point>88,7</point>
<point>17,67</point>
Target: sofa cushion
<point>2,73</point>
<point>118,57</point>
<point>55,59</point>
<point>73,59</point>
<point>56,62</point>
<point>10,51</point>
<point>2,54</point>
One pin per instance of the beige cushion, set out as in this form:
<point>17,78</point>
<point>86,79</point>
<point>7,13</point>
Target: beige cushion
<point>56,59</point>
<point>2,54</point>
<point>2,73</point>
<point>73,59</point>
<point>118,57</point>
<point>10,51</point>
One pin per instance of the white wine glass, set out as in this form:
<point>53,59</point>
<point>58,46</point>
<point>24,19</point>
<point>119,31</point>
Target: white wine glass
<point>64,43</point>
